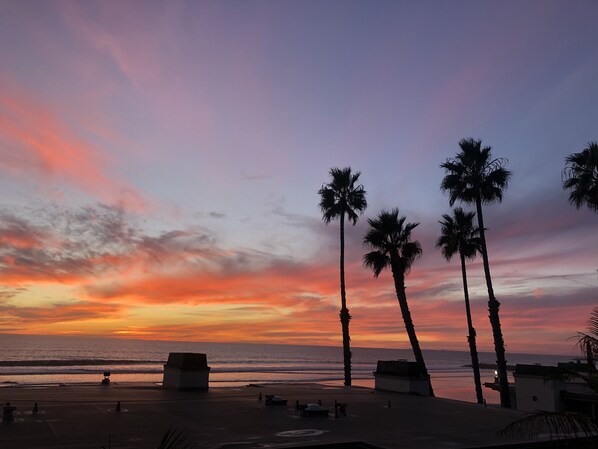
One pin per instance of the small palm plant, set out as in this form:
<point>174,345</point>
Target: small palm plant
<point>588,342</point>
<point>581,177</point>
<point>389,238</point>
<point>343,197</point>
<point>460,236</point>
<point>566,424</point>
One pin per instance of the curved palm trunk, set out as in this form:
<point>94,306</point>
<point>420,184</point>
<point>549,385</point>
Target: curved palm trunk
<point>475,364</point>
<point>493,307</point>
<point>399,280</point>
<point>344,313</point>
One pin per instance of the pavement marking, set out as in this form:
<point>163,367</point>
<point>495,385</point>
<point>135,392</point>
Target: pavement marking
<point>47,421</point>
<point>301,433</point>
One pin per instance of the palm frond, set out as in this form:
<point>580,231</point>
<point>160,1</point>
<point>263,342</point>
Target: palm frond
<point>410,252</point>
<point>328,204</point>
<point>473,173</point>
<point>390,236</point>
<point>593,323</point>
<point>459,235</point>
<point>447,245</point>
<point>588,342</point>
<point>580,176</point>
<point>589,379</point>
<point>495,180</point>
<point>175,439</point>
<point>341,196</point>
<point>555,425</point>
<point>377,261</point>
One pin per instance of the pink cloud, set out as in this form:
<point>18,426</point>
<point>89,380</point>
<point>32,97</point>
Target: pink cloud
<point>142,52</point>
<point>37,144</point>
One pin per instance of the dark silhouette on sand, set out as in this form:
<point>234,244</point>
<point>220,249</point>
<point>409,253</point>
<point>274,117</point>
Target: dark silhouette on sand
<point>581,177</point>
<point>460,236</point>
<point>339,198</point>
<point>389,237</point>
<point>474,177</point>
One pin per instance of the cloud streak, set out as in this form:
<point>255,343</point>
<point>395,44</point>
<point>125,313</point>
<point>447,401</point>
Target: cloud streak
<point>37,143</point>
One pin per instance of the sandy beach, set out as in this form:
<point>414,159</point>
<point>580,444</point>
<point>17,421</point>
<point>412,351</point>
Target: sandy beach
<point>75,416</point>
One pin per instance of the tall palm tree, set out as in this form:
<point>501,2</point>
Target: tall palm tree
<point>581,176</point>
<point>389,237</point>
<point>473,176</point>
<point>341,198</point>
<point>460,236</point>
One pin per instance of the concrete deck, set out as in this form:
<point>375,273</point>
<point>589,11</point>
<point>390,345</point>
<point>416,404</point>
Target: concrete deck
<point>83,417</point>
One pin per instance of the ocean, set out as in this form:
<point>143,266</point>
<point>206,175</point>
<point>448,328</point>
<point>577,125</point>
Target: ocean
<point>51,360</point>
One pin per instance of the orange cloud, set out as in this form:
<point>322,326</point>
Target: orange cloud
<point>293,285</point>
<point>16,316</point>
<point>182,285</point>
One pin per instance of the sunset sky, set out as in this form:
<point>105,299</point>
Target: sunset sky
<point>160,162</point>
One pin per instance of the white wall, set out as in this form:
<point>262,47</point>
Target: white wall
<point>537,393</point>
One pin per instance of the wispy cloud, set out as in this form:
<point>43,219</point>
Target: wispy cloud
<point>24,318</point>
<point>38,144</point>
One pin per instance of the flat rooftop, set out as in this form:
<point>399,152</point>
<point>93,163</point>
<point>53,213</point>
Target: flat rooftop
<point>76,416</point>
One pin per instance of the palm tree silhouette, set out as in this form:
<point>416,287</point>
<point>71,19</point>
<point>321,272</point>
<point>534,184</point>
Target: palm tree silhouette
<point>390,239</point>
<point>339,198</point>
<point>588,342</point>
<point>473,176</point>
<point>459,236</point>
<point>581,176</point>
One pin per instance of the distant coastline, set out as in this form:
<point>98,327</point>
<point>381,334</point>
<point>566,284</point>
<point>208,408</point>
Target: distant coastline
<point>490,366</point>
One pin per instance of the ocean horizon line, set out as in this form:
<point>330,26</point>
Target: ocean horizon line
<point>248,343</point>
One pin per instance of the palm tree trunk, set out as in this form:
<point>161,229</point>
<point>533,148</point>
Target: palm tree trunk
<point>493,308</point>
<point>590,357</point>
<point>344,313</point>
<point>475,364</point>
<point>399,280</point>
